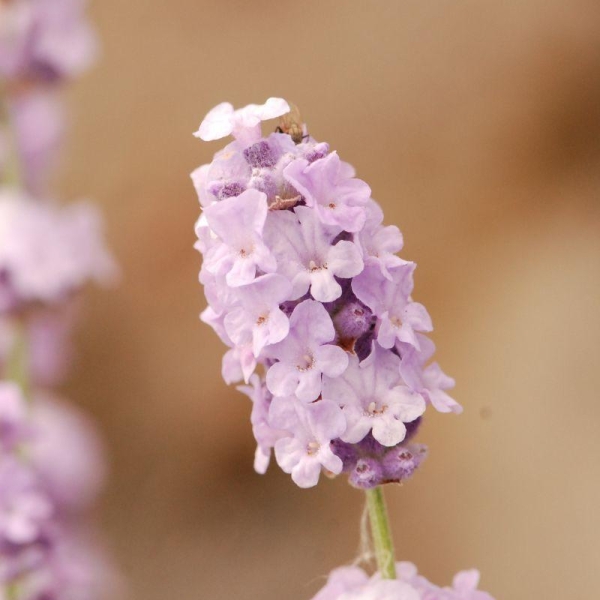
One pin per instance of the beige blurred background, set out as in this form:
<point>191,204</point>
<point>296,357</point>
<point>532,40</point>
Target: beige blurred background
<point>477,124</point>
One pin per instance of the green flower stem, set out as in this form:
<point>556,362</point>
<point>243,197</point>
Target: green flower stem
<point>381,533</point>
<point>17,366</point>
<point>11,175</point>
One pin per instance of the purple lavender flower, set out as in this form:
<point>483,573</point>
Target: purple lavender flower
<point>303,283</point>
<point>51,468</point>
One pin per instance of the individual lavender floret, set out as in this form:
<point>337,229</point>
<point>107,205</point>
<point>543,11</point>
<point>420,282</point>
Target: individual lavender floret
<point>312,429</point>
<point>307,256</point>
<point>367,474</point>
<point>44,39</point>
<point>243,124</point>
<point>352,583</point>
<point>225,177</point>
<point>401,462</point>
<point>353,320</point>
<point>428,381</point>
<point>380,244</point>
<point>47,253</point>
<point>305,354</point>
<point>389,299</point>
<point>329,186</point>
<point>239,223</point>
<point>374,398</point>
<point>259,317</point>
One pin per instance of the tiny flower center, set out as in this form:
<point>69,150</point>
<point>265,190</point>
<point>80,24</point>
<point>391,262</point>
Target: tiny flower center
<point>306,362</point>
<point>245,252</point>
<point>262,320</point>
<point>373,410</point>
<point>395,321</point>
<point>313,266</point>
<point>331,205</point>
<point>312,448</point>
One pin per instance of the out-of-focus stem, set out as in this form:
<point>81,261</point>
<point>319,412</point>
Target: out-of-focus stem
<point>11,174</point>
<point>381,533</point>
<point>17,365</point>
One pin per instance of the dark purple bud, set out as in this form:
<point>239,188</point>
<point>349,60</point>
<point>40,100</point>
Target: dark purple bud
<point>353,320</point>
<point>260,155</point>
<point>319,151</point>
<point>346,296</point>
<point>401,461</point>
<point>367,474</point>
<point>263,182</point>
<point>347,452</point>
<point>229,190</point>
<point>288,307</point>
<point>344,236</point>
<point>412,428</point>
<point>369,446</point>
<point>364,345</point>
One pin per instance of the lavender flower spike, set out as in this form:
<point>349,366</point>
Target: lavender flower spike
<point>304,286</point>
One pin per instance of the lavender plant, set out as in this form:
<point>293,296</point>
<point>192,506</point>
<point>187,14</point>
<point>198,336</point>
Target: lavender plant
<point>305,287</point>
<point>51,459</point>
